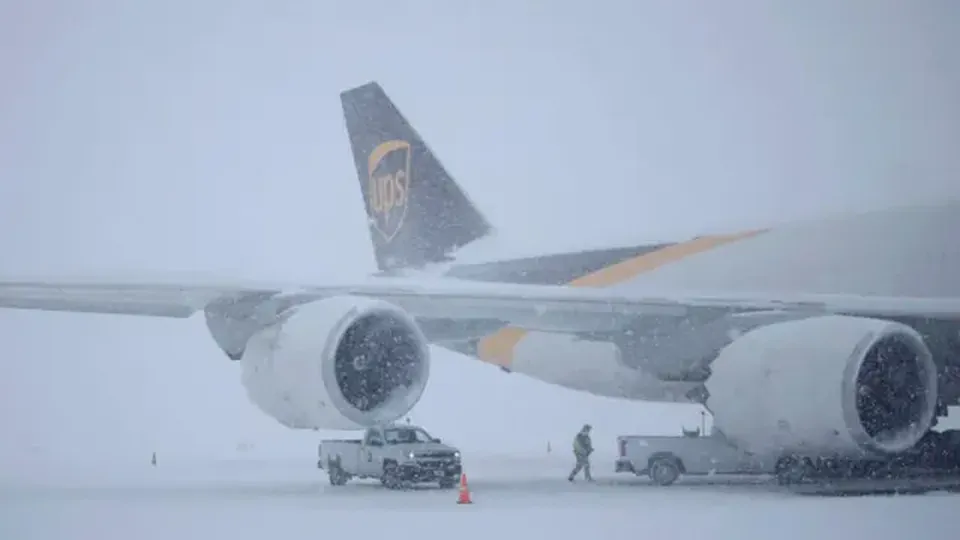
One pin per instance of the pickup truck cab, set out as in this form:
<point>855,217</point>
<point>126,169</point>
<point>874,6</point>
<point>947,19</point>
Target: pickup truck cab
<point>398,455</point>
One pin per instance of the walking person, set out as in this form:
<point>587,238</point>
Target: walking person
<point>582,448</point>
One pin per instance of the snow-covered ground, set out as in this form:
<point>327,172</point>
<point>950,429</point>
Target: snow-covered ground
<point>515,497</point>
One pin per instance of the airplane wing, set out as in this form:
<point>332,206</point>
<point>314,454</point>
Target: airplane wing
<point>533,307</point>
<point>117,297</point>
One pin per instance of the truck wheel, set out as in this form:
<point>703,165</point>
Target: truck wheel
<point>389,477</point>
<point>664,471</point>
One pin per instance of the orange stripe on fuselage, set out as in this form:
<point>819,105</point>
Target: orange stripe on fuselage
<point>498,348</point>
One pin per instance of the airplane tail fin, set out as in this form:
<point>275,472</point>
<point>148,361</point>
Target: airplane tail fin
<point>417,212</point>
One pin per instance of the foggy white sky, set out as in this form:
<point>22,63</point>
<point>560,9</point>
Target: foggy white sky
<point>207,137</point>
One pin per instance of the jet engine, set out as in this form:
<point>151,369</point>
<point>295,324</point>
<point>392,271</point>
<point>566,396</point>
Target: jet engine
<point>337,363</point>
<point>834,386</point>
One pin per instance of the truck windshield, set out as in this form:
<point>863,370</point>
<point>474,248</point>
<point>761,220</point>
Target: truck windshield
<point>406,436</point>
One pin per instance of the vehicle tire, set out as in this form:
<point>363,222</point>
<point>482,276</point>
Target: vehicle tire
<point>389,477</point>
<point>664,471</point>
<point>791,471</point>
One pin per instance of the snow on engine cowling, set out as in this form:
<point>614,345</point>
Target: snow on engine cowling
<point>338,363</point>
<point>825,386</point>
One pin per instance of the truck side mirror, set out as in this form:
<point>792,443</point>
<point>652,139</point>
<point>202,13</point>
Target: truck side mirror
<point>438,441</point>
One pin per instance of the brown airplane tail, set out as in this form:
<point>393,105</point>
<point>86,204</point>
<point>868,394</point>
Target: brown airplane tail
<point>417,213</point>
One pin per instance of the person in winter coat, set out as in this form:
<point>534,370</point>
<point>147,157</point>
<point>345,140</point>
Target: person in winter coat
<point>582,448</point>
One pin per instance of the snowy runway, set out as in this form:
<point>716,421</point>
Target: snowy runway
<point>512,496</point>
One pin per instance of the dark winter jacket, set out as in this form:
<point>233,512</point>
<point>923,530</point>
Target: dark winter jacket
<point>582,446</point>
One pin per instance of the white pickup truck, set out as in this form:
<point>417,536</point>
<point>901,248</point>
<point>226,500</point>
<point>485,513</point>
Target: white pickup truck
<point>398,455</point>
<point>666,458</point>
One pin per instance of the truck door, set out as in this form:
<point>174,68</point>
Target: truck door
<point>705,457</point>
<point>369,464</point>
<point>723,457</point>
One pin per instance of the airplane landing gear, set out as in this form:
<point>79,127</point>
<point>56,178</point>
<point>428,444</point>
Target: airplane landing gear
<point>792,470</point>
<point>933,464</point>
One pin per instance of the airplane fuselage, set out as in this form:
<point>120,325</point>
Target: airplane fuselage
<point>900,252</point>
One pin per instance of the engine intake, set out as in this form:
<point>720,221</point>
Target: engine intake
<point>828,386</point>
<point>338,363</point>
<point>376,355</point>
<point>893,393</point>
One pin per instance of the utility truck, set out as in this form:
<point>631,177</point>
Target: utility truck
<point>397,455</point>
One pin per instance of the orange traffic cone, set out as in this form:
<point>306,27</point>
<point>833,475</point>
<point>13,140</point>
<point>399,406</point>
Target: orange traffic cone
<point>464,497</point>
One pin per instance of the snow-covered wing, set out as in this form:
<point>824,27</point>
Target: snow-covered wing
<point>146,300</point>
<point>165,296</point>
<point>556,308</point>
<point>562,308</point>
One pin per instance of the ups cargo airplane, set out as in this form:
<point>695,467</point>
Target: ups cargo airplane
<point>838,337</point>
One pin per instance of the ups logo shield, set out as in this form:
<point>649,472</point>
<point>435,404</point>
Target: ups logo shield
<point>388,187</point>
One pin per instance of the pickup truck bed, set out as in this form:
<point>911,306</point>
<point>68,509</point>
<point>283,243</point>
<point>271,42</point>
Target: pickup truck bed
<point>344,452</point>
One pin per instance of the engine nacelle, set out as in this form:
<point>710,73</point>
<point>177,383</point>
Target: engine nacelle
<point>338,363</point>
<point>825,386</point>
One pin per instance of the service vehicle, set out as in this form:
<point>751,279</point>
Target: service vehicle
<point>398,455</point>
<point>666,458</point>
<point>933,464</point>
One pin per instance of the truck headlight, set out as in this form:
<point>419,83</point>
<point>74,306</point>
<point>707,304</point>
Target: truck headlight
<point>410,455</point>
<point>456,455</point>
